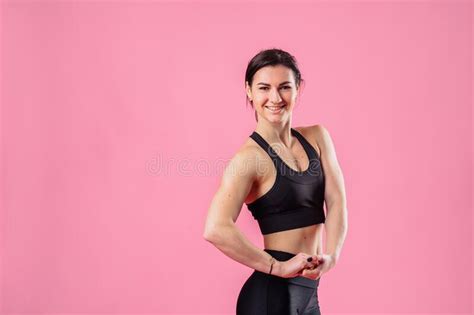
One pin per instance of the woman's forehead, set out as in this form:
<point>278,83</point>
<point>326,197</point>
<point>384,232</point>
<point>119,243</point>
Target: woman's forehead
<point>273,74</point>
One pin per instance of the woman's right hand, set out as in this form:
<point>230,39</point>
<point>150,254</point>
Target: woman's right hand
<point>294,267</point>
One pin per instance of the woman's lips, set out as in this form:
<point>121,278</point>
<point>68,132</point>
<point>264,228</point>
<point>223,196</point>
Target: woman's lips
<point>275,109</point>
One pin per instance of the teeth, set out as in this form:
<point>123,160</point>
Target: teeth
<point>274,107</point>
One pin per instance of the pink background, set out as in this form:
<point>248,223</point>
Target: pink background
<point>95,95</point>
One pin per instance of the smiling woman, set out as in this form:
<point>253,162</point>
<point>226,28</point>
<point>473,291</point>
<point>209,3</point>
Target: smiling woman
<point>287,199</point>
<point>264,69</point>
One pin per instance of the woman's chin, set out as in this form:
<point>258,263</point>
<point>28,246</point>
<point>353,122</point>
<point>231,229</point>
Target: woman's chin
<point>276,119</point>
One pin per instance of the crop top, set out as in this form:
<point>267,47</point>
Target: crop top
<point>296,198</point>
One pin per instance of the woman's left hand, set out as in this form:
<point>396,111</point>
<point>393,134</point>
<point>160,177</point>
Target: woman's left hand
<point>325,262</point>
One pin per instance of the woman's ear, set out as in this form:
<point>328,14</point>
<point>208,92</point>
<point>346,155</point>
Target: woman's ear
<point>248,90</point>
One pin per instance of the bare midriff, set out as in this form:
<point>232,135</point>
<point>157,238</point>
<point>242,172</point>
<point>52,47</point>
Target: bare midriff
<point>306,240</point>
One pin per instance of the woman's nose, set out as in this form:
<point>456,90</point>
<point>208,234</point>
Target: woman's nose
<point>275,97</point>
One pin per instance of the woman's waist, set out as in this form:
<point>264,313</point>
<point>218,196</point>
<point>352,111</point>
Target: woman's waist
<point>306,240</point>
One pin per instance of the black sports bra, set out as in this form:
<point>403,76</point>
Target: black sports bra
<point>296,198</point>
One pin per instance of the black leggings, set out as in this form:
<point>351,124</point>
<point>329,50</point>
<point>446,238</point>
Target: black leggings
<point>268,294</point>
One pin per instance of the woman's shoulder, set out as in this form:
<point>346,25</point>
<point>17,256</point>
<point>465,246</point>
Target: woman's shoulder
<point>247,155</point>
<point>321,137</point>
<point>314,134</point>
<point>250,149</point>
<point>312,130</point>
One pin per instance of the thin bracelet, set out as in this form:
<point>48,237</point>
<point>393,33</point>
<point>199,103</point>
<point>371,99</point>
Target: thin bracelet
<point>271,266</point>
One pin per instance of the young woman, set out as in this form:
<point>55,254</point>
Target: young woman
<point>284,175</point>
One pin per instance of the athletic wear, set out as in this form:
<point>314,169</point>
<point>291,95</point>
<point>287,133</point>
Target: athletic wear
<point>264,294</point>
<point>296,198</point>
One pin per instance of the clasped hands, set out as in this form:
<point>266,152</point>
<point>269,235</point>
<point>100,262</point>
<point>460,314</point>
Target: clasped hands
<point>319,264</point>
<point>302,264</point>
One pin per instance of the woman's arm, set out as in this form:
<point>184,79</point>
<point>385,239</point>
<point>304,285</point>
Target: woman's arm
<point>220,228</point>
<point>334,195</point>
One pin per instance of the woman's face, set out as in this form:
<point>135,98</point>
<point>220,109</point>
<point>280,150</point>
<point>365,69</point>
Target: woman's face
<point>273,92</point>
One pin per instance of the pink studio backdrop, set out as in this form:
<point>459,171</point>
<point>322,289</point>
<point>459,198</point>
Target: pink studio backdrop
<point>118,118</point>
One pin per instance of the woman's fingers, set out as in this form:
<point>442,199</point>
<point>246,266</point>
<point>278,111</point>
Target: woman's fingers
<point>311,273</point>
<point>309,262</point>
<point>313,260</point>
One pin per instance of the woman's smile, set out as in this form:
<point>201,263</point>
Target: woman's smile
<point>275,109</point>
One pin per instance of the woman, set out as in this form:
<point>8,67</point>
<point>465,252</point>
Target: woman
<point>284,175</point>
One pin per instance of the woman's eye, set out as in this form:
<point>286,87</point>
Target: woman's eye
<point>285,87</point>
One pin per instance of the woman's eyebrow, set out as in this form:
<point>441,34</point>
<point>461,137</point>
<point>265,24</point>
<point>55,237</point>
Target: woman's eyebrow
<point>262,83</point>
